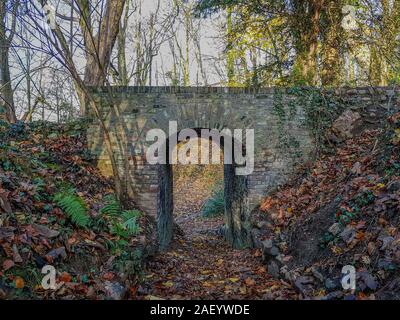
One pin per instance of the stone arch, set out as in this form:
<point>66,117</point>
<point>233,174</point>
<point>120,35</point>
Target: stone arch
<point>144,108</point>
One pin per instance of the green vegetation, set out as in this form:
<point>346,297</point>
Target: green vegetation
<point>214,206</point>
<point>123,223</point>
<point>50,189</point>
<point>74,206</point>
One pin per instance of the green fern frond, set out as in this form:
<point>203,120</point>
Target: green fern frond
<point>73,206</point>
<point>129,214</point>
<point>130,221</point>
<point>112,207</point>
<point>132,226</point>
<point>120,230</point>
<point>122,223</point>
<point>214,206</point>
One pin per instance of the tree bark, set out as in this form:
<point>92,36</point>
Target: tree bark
<point>230,56</point>
<point>332,40</point>
<point>63,49</point>
<point>121,40</point>
<point>7,108</point>
<point>305,25</point>
<point>99,47</point>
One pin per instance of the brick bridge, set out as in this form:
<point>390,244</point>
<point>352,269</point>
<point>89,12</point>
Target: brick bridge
<point>281,142</point>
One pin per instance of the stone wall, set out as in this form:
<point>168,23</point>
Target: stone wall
<point>140,109</point>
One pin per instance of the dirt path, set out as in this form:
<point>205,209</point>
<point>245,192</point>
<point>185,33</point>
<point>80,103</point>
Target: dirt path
<point>200,265</point>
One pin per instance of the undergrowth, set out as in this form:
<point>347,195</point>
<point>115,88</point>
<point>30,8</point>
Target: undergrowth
<point>214,206</point>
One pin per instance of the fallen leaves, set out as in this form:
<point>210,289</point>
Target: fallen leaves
<point>65,277</point>
<point>205,267</point>
<point>34,232</point>
<point>249,282</point>
<point>4,202</point>
<point>19,283</point>
<point>45,231</point>
<point>168,284</point>
<point>8,264</point>
<point>365,228</point>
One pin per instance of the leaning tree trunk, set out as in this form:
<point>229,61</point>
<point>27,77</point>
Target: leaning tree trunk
<point>99,47</point>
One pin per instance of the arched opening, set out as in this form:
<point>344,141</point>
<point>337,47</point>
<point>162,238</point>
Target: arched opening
<point>198,190</point>
<point>233,187</point>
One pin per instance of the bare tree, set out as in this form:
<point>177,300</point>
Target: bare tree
<point>53,41</point>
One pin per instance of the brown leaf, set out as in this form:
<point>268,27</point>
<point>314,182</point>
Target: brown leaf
<point>54,254</point>
<point>44,231</point>
<point>371,248</point>
<point>250,282</point>
<point>65,277</point>
<point>7,233</point>
<point>8,264</point>
<point>16,256</point>
<point>108,276</point>
<point>267,204</point>
<point>220,262</point>
<point>4,203</point>
<point>356,169</point>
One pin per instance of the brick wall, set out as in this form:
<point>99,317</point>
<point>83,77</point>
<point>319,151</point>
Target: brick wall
<point>143,108</point>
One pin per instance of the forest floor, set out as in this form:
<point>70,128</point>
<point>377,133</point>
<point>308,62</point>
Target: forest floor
<point>200,265</point>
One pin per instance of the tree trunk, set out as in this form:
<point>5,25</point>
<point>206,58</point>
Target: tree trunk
<point>186,67</point>
<point>7,109</point>
<point>332,40</point>
<point>230,57</point>
<point>121,41</point>
<point>7,96</point>
<point>99,47</point>
<point>390,31</point>
<point>305,25</point>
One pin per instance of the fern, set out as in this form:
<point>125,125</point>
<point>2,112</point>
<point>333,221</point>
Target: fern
<point>112,207</point>
<point>119,229</point>
<point>130,221</point>
<point>130,214</point>
<point>214,206</point>
<point>74,207</point>
<point>122,223</point>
